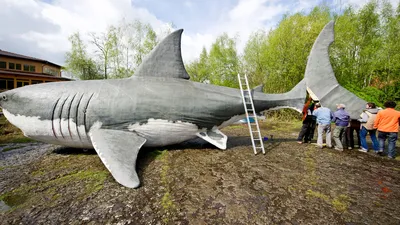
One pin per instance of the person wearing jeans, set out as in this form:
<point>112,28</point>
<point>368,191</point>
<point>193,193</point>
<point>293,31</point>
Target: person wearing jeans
<point>387,122</point>
<point>341,119</point>
<point>324,117</point>
<point>367,127</point>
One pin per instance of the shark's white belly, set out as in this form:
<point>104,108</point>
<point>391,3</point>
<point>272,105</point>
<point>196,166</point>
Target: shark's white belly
<point>64,132</point>
<point>159,132</point>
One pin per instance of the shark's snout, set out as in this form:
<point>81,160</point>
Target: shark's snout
<point>3,99</point>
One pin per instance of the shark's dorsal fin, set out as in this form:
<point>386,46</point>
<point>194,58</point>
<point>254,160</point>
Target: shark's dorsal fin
<point>118,151</point>
<point>165,60</point>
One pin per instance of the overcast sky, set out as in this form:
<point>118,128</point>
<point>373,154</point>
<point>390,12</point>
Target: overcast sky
<point>40,28</point>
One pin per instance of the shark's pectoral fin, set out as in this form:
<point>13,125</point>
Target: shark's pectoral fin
<point>118,151</point>
<point>215,137</point>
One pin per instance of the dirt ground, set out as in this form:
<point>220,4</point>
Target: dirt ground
<point>196,183</point>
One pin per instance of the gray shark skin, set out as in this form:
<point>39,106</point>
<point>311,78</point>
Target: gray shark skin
<point>158,106</point>
<point>320,78</point>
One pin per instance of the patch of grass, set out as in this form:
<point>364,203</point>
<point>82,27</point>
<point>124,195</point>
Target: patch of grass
<point>317,194</point>
<point>3,120</point>
<point>235,127</point>
<point>167,202</point>
<point>13,200</point>
<point>47,193</point>
<point>311,166</point>
<point>341,203</point>
<point>158,154</point>
<point>15,138</point>
<point>11,134</point>
<point>9,149</point>
<point>291,126</point>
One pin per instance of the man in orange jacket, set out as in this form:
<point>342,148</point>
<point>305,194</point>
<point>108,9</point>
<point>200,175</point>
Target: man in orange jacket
<point>387,122</point>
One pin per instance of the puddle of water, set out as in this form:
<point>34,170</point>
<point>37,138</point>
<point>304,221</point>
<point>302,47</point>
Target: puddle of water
<point>4,206</point>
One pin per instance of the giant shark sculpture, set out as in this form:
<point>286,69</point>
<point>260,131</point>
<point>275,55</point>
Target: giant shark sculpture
<point>157,106</point>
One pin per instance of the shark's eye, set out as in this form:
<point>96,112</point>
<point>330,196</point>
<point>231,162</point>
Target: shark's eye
<point>4,98</point>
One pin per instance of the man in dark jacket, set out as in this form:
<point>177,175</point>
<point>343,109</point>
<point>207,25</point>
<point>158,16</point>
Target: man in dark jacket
<point>308,123</point>
<point>341,119</point>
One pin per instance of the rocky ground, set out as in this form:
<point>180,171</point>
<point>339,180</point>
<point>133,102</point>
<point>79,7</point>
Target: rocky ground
<point>196,183</point>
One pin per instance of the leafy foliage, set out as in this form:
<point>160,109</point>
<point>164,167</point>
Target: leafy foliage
<point>365,55</point>
<point>115,53</point>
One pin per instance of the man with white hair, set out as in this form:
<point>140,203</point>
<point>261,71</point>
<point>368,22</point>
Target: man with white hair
<point>341,119</point>
<point>324,117</point>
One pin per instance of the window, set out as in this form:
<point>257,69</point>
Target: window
<point>3,84</point>
<point>32,68</point>
<point>6,84</point>
<point>21,83</point>
<point>50,71</point>
<point>26,67</point>
<point>36,81</point>
<point>10,84</point>
<point>3,65</point>
<point>11,66</point>
<point>18,66</point>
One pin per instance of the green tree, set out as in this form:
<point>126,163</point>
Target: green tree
<point>255,61</point>
<point>223,62</point>
<point>289,46</point>
<point>199,70</point>
<point>77,60</point>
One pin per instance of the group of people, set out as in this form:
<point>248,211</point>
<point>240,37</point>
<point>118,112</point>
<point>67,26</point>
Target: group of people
<point>372,120</point>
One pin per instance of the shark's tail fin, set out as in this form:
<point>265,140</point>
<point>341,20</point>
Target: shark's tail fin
<point>320,78</point>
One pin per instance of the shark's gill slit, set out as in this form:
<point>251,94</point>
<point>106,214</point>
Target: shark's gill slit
<point>84,117</point>
<point>52,118</point>
<point>68,117</point>
<point>60,116</point>
<point>76,118</point>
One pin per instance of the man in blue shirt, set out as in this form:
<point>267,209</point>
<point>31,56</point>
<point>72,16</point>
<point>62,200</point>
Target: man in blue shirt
<point>341,119</point>
<point>324,118</point>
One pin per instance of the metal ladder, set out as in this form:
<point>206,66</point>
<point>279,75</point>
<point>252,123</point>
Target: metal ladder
<point>248,101</point>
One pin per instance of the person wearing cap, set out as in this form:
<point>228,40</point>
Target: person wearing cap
<point>341,118</point>
<point>367,120</point>
<point>387,122</point>
<point>324,118</point>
